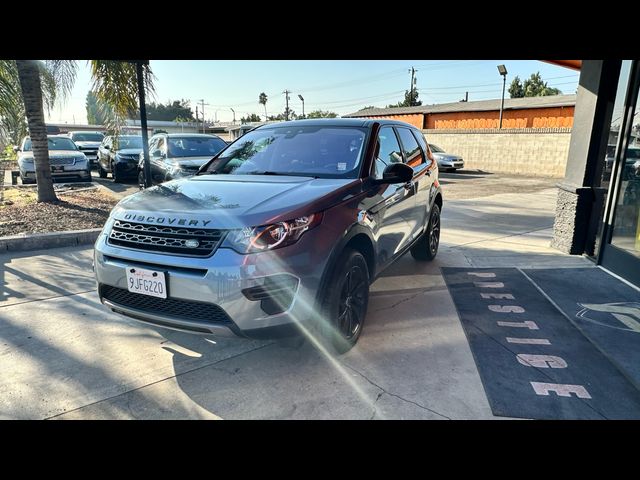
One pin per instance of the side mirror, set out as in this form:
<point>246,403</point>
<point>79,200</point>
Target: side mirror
<point>396,173</point>
<point>157,153</point>
<point>107,147</point>
<point>16,148</point>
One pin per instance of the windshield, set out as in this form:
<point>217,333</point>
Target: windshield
<point>194,146</point>
<point>435,148</point>
<point>633,153</point>
<point>87,137</point>
<point>55,143</point>
<point>127,141</point>
<point>326,152</point>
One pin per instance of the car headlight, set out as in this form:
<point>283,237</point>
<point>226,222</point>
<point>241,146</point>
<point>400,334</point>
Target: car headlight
<point>175,170</point>
<point>270,237</point>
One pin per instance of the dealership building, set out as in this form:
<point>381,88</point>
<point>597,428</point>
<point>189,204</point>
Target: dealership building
<point>588,140</point>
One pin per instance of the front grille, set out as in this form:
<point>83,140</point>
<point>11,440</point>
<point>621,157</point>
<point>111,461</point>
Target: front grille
<point>172,307</point>
<point>62,161</point>
<point>162,239</point>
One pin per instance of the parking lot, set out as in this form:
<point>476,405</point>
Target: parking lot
<point>75,359</point>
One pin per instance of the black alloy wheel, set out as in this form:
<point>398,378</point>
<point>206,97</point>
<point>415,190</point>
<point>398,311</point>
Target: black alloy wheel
<point>426,247</point>
<point>345,302</point>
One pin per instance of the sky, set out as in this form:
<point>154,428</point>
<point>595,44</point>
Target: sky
<point>341,86</point>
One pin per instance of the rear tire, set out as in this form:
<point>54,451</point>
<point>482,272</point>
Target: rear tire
<point>344,305</point>
<point>426,248</point>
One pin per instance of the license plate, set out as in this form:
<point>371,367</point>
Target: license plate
<point>57,169</point>
<point>146,282</point>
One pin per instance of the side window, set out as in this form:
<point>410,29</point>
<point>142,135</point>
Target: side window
<point>414,154</point>
<point>389,151</point>
<point>423,143</point>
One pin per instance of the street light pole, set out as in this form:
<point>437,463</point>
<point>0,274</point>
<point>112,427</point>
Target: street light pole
<point>300,97</point>
<point>503,71</point>
<point>234,116</point>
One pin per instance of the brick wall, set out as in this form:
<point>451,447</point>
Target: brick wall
<point>538,152</point>
<point>522,118</point>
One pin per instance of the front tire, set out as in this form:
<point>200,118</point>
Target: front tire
<point>117,177</point>
<point>102,173</point>
<point>344,307</point>
<point>426,248</point>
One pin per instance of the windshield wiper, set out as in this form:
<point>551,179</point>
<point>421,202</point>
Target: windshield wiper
<point>263,172</point>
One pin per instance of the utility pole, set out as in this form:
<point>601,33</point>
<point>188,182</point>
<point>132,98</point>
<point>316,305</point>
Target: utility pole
<point>412,87</point>
<point>203,104</point>
<point>234,116</point>
<point>286,110</point>
<point>466,96</point>
<point>196,118</point>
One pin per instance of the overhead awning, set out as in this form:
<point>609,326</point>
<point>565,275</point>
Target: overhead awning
<point>572,64</point>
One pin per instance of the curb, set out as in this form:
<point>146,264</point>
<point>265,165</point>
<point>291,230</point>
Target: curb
<point>40,241</point>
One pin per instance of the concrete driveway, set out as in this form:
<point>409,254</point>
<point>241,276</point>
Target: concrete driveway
<point>63,355</point>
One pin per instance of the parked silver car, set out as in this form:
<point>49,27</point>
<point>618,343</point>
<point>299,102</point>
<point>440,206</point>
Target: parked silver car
<point>445,160</point>
<point>67,162</point>
<point>88,143</point>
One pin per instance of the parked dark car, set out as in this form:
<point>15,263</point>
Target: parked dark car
<point>178,155</point>
<point>281,232</point>
<point>119,156</point>
<point>88,143</point>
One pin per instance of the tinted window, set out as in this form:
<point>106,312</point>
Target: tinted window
<point>327,152</point>
<point>87,137</point>
<point>55,143</point>
<point>128,141</point>
<point>423,143</point>
<point>389,150</point>
<point>411,147</point>
<point>435,148</point>
<point>194,146</point>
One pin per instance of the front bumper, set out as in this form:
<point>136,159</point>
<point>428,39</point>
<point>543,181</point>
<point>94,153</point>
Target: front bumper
<point>127,168</point>
<point>68,173</point>
<point>242,286</point>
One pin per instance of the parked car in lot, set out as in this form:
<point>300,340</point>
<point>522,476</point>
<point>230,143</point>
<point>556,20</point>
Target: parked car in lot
<point>283,230</point>
<point>631,161</point>
<point>67,162</point>
<point>119,156</point>
<point>88,143</point>
<point>177,155</point>
<point>445,160</point>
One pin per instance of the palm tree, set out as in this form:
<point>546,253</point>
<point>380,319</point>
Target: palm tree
<point>114,83</point>
<point>262,99</point>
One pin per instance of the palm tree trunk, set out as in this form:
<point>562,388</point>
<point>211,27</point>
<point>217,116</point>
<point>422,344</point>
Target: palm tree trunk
<point>266,118</point>
<point>29,76</point>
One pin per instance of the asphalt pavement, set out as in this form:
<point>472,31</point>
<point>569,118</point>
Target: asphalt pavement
<point>63,355</point>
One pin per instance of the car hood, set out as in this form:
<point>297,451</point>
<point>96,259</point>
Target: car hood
<point>55,154</point>
<point>233,201</point>
<point>446,156</point>
<point>88,144</point>
<point>129,151</point>
<point>191,161</point>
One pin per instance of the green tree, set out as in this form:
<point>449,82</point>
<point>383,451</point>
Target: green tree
<point>251,118</point>
<point>410,100</point>
<point>322,114</point>
<point>170,110</point>
<point>262,100</point>
<point>534,86</point>
<point>98,113</point>
<point>41,83</point>
<point>515,89</point>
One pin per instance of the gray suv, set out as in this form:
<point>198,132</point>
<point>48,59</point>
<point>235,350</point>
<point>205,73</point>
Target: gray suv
<point>66,161</point>
<point>281,233</point>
